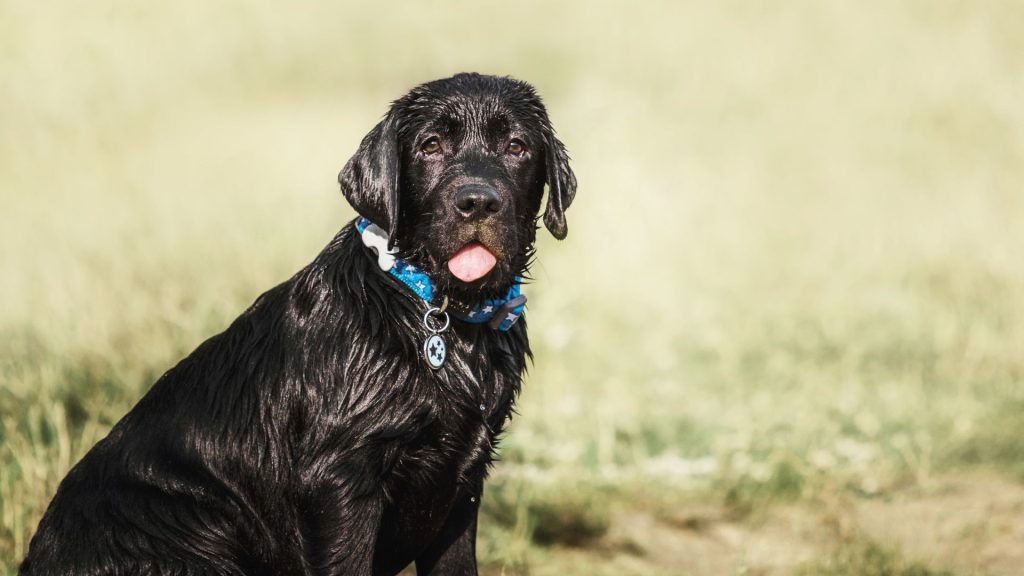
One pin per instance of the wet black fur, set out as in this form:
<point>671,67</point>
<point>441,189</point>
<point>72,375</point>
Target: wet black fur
<point>310,437</point>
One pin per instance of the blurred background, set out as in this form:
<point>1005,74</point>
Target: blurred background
<point>785,334</point>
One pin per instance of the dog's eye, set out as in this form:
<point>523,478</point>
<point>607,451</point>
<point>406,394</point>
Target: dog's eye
<point>432,146</point>
<point>516,148</point>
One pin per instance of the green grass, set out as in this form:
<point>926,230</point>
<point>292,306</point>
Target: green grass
<point>792,280</point>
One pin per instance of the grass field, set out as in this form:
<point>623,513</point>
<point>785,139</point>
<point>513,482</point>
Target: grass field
<point>784,336</point>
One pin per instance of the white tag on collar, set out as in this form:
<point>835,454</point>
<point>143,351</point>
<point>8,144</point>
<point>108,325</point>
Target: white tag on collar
<point>376,239</point>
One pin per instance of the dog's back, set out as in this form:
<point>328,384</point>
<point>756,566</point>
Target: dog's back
<point>189,479</point>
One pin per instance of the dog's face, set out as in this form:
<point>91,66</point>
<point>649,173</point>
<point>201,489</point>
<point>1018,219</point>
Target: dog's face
<point>456,172</point>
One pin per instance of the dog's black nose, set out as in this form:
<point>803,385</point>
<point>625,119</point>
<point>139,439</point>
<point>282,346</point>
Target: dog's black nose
<point>477,200</point>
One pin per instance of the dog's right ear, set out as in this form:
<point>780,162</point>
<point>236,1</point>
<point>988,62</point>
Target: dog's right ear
<point>370,178</point>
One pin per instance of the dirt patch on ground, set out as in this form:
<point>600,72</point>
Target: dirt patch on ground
<point>967,524</point>
<point>972,524</point>
<point>699,542</point>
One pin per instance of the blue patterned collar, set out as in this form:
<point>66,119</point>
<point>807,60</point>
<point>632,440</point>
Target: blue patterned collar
<point>498,313</point>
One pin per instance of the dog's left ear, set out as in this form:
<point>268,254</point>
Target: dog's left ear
<point>561,186</point>
<point>370,178</point>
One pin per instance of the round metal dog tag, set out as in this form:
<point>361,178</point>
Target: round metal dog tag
<point>434,351</point>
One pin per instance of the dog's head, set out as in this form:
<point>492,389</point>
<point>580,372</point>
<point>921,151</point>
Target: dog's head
<point>455,172</point>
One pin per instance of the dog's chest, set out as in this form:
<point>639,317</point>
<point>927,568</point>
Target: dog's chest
<point>447,458</point>
<point>439,472</point>
<point>435,477</point>
<point>449,453</point>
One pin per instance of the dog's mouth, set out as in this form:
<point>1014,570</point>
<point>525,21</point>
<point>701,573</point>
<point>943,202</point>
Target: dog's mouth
<point>471,262</point>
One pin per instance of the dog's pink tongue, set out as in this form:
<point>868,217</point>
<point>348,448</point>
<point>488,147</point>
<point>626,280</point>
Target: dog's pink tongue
<point>472,263</point>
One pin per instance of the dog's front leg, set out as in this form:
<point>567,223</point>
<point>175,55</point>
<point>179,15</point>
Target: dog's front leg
<point>454,551</point>
<point>339,530</point>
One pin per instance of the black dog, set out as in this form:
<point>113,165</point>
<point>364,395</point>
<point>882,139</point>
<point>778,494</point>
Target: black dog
<point>326,431</point>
